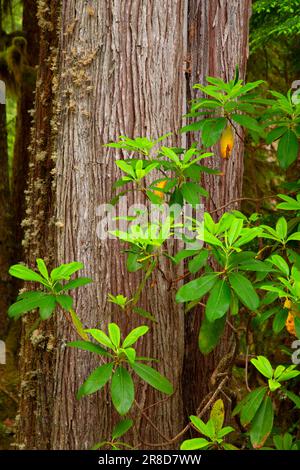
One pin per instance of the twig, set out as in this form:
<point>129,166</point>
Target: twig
<point>246,368</point>
<point>9,394</point>
<point>254,199</point>
<point>150,421</point>
<point>188,426</point>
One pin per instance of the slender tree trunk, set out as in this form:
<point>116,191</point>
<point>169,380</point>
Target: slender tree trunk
<point>5,225</point>
<point>36,358</point>
<point>217,42</point>
<point>25,104</point>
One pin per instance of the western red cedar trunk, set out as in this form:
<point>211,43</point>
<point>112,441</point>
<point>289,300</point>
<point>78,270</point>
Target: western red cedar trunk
<point>217,42</point>
<point>36,358</point>
<point>25,104</point>
<point>119,71</point>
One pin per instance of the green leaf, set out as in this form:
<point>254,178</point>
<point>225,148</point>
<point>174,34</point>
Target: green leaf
<point>211,239</point>
<point>217,415</point>
<point>114,334</point>
<point>143,313</point>
<point>197,288</point>
<point>253,402</point>
<point>247,121</point>
<point>210,334</point>
<point>279,320</point>
<point>244,290</point>
<point>227,446</point>
<point>80,281</point>
<point>281,228</point>
<point>47,306</point>
<point>130,353</point>
<point>126,168</point>
<point>22,272</point>
<point>273,385</point>
<point>64,271</point>
<point>280,263</point>
<point>223,432</point>
<point>26,305</point>
<point>297,326</point>
<point>205,429</point>
<point>65,301</point>
<point>274,134</point>
<point>287,150</point>
<point>121,428</point>
<point>153,378</point>
<point>88,346</point>
<point>295,236</point>
<point>288,374</point>
<point>194,444</point>
<point>101,337</point>
<point>42,268</point>
<point>195,126</point>
<point>98,378</point>
<point>134,335</point>
<point>132,262</point>
<point>183,254</point>
<point>196,263</point>
<point>262,423</point>
<point>78,325</point>
<point>122,390</point>
<point>212,130</point>
<point>262,364</point>
<point>191,192</point>
<point>293,397</point>
<point>99,445</point>
<point>218,301</point>
<point>235,230</point>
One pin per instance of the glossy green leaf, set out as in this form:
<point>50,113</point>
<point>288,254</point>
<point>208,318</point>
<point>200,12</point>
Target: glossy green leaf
<point>121,428</point>
<point>47,306</point>
<point>244,290</point>
<point>194,444</point>
<point>254,400</point>
<point>218,300</point>
<point>197,288</point>
<point>88,346</point>
<point>134,335</point>
<point>212,130</point>
<point>26,305</point>
<point>114,334</point>
<point>22,272</point>
<point>262,423</point>
<point>210,334</point>
<point>98,378</point>
<point>153,378</point>
<point>262,364</point>
<point>64,271</point>
<point>122,390</point>
<point>287,150</point>
<point>42,268</point>
<point>101,337</point>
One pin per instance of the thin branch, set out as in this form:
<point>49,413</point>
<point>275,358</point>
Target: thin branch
<point>188,426</point>
<point>9,394</point>
<point>254,199</point>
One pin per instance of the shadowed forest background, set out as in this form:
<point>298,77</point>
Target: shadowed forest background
<point>136,89</point>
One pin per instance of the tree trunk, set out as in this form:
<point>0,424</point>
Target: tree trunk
<point>25,104</point>
<point>119,72</point>
<point>217,42</point>
<point>5,225</point>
